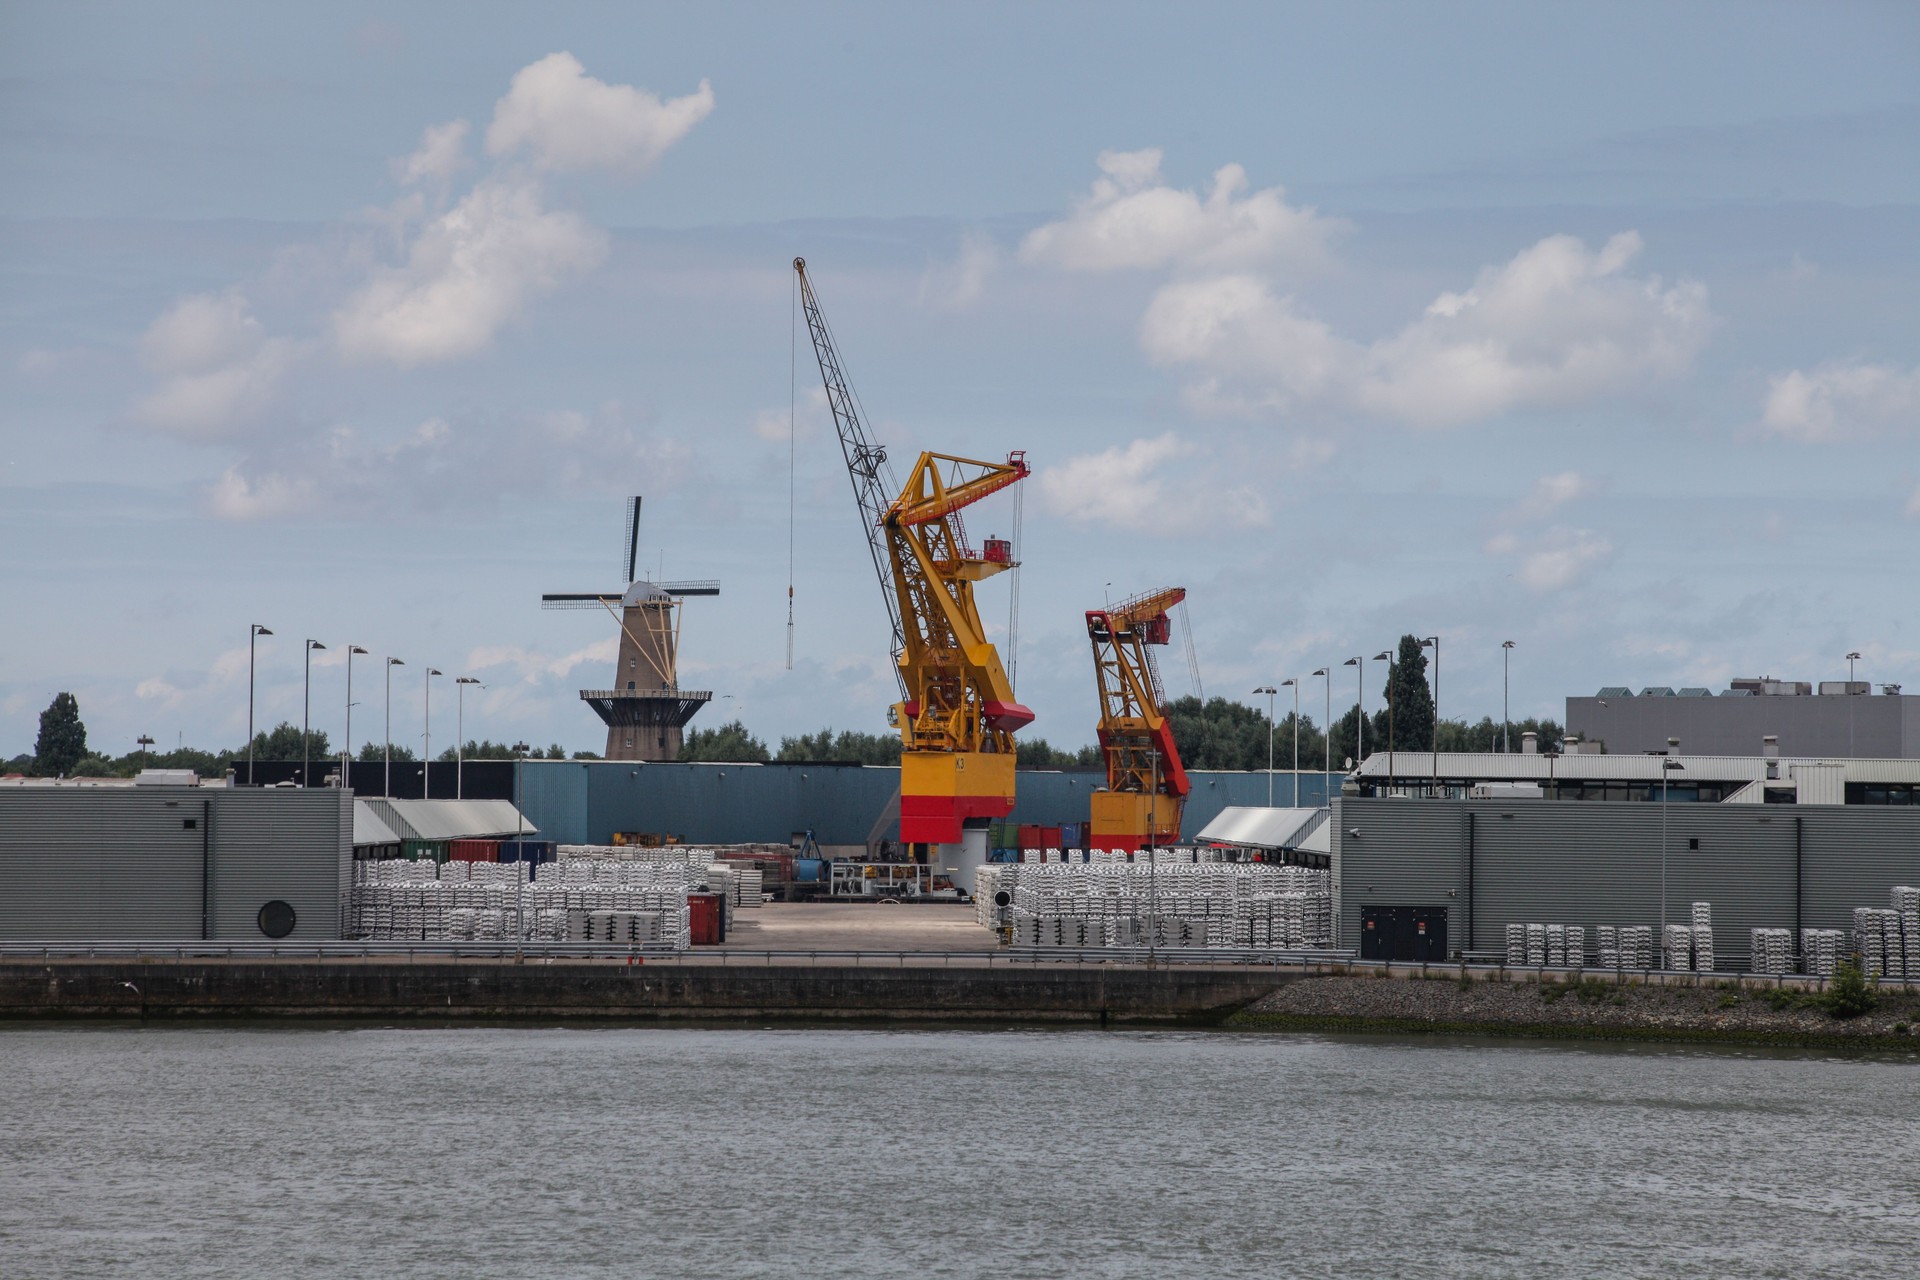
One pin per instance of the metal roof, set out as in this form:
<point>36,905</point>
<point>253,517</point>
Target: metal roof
<point>368,828</point>
<point>450,819</point>
<point>1259,828</point>
<point>1413,766</point>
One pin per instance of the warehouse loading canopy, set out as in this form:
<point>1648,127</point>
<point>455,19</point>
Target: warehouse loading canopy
<point>449,819</point>
<point>1300,836</point>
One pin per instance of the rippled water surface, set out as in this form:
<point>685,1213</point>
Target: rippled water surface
<point>729,1153</point>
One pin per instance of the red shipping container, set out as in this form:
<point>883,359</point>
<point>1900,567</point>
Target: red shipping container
<point>1050,838</point>
<point>473,851</point>
<point>703,919</point>
<point>1032,837</point>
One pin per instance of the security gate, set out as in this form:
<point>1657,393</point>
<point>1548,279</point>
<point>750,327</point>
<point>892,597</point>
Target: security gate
<point>1403,933</point>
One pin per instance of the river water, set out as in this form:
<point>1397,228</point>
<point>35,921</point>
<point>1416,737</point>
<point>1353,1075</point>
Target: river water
<point>621,1152</point>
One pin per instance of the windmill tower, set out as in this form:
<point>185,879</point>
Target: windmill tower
<point>646,709</point>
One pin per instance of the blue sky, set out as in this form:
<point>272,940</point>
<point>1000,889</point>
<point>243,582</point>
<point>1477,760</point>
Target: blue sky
<point>1589,327</point>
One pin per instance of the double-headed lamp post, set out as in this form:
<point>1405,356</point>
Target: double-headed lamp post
<point>1326,764</point>
<point>346,748</point>
<point>1269,690</point>
<point>1359,707</point>
<point>306,714</point>
<point>460,684</point>
<point>254,632</point>
<point>1289,681</point>
<point>426,740</point>
<point>1506,716</point>
<point>1386,656</point>
<point>386,787</point>
<point>1433,642</point>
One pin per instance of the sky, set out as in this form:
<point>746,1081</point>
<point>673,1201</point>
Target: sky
<point>1585,327</point>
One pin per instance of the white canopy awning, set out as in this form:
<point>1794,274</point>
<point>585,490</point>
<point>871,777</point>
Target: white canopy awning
<point>1254,827</point>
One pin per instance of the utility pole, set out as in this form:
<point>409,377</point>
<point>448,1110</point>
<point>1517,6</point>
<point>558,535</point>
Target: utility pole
<point>1269,691</point>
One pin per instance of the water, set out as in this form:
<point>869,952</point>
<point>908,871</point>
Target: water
<point>733,1153</point>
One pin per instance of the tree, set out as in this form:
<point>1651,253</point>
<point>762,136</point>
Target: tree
<point>1458,735</point>
<point>847,745</point>
<point>1037,753</point>
<point>63,739</point>
<point>282,742</point>
<point>375,752</point>
<point>485,749</point>
<point>1408,723</point>
<point>1218,735</point>
<point>730,743</point>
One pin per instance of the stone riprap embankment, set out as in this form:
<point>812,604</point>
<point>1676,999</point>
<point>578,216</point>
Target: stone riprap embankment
<point>1590,1008</point>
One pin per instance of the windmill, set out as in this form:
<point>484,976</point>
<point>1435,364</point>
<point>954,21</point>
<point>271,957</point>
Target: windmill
<point>646,709</point>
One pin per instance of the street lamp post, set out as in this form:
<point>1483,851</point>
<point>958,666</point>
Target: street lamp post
<point>460,684</point>
<point>1506,716</point>
<point>1296,743</point>
<point>426,741</point>
<point>1326,763</point>
<point>1359,708</point>
<point>346,750</point>
<point>1667,765</point>
<point>386,787</point>
<point>1393,774</point>
<point>1434,641</point>
<point>1269,690</point>
<point>1153,851</point>
<point>306,713</point>
<point>1851,659</point>
<point>254,632</point>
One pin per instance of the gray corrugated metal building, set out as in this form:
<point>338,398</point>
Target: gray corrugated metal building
<point>1491,863</point>
<point>586,801</point>
<point>140,863</point>
<point>1830,723</point>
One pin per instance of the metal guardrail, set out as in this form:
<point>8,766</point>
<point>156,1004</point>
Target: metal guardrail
<point>1336,961</point>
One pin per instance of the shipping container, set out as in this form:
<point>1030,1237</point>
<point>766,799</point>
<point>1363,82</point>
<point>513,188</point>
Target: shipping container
<point>535,851</point>
<point>705,920</point>
<point>1049,838</point>
<point>1070,836</point>
<point>473,851</point>
<point>1032,836</point>
<point>424,850</point>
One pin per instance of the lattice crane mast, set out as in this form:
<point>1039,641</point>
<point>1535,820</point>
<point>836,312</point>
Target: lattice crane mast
<point>957,712</point>
<point>1146,783</point>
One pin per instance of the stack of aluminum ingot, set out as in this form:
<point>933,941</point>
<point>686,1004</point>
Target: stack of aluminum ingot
<point>1171,903</point>
<point>1636,946</point>
<point>1823,950</point>
<point>1516,944</point>
<point>1876,938</point>
<point>1906,901</point>
<point>1679,946</point>
<point>1772,951</point>
<point>1703,936</point>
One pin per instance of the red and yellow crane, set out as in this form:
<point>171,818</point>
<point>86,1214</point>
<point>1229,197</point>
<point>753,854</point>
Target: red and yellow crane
<point>1146,784</point>
<point>957,712</point>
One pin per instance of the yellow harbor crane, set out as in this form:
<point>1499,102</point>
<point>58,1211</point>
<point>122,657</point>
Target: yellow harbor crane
<point>957,712</point>
<point>1146,784</point>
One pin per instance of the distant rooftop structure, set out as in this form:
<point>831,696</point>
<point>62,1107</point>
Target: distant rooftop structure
<point>1843,719</point>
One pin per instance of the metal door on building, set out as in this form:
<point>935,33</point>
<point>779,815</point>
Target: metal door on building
<point>1403,933</point>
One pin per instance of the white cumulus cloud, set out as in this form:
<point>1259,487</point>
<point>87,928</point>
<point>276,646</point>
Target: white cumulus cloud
<point>1114,485</point>
<point>1555,560</point>
<point>1132,219</point>
<point>441,154</point>
<point>570,121</point>
<point>1842,400</point>
<point>218,370</point>
<point>1550,493</point>
<point>467,274</point>
<point>1558,324</point>
<point>958,284</point>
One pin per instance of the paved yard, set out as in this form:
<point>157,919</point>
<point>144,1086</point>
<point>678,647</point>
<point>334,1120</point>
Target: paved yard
<point>858,926</point>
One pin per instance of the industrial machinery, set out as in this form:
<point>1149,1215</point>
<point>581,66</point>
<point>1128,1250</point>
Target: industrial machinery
<point>957,713</point>
<point>646,709</point>
<point>1146,784</point>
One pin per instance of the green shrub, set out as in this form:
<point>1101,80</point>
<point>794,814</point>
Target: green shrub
<point>1850,994</point>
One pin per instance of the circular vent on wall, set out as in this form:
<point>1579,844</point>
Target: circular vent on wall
<point>276,919</point>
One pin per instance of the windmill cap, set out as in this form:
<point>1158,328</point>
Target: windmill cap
<point>641,592</point>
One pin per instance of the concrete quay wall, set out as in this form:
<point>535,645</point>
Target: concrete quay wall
<point>443,988</point>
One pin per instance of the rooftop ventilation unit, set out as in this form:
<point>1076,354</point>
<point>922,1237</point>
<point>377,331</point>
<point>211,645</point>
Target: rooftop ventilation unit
<point>1695,692</point>
<point>1656,691</point>
<point>1615,691</point>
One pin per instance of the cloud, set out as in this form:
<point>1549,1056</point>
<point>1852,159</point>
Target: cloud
<point>1555,560</point>
<point>1550,493</point>
<point>570,121</point>
<point>441,154</point>
<point>958,284</point>
<point>1113,486</point>
<point>812,418</point>
<point>1132,220</point>
<point>466,275</point>
<point>1558,324</point>
<point>532,666</point>
<point>1842,400</point>
<point>218,370</point>
<point>440,463</point>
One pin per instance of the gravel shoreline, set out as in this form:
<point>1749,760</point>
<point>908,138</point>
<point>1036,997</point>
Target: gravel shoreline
<point>1595,1009</point>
